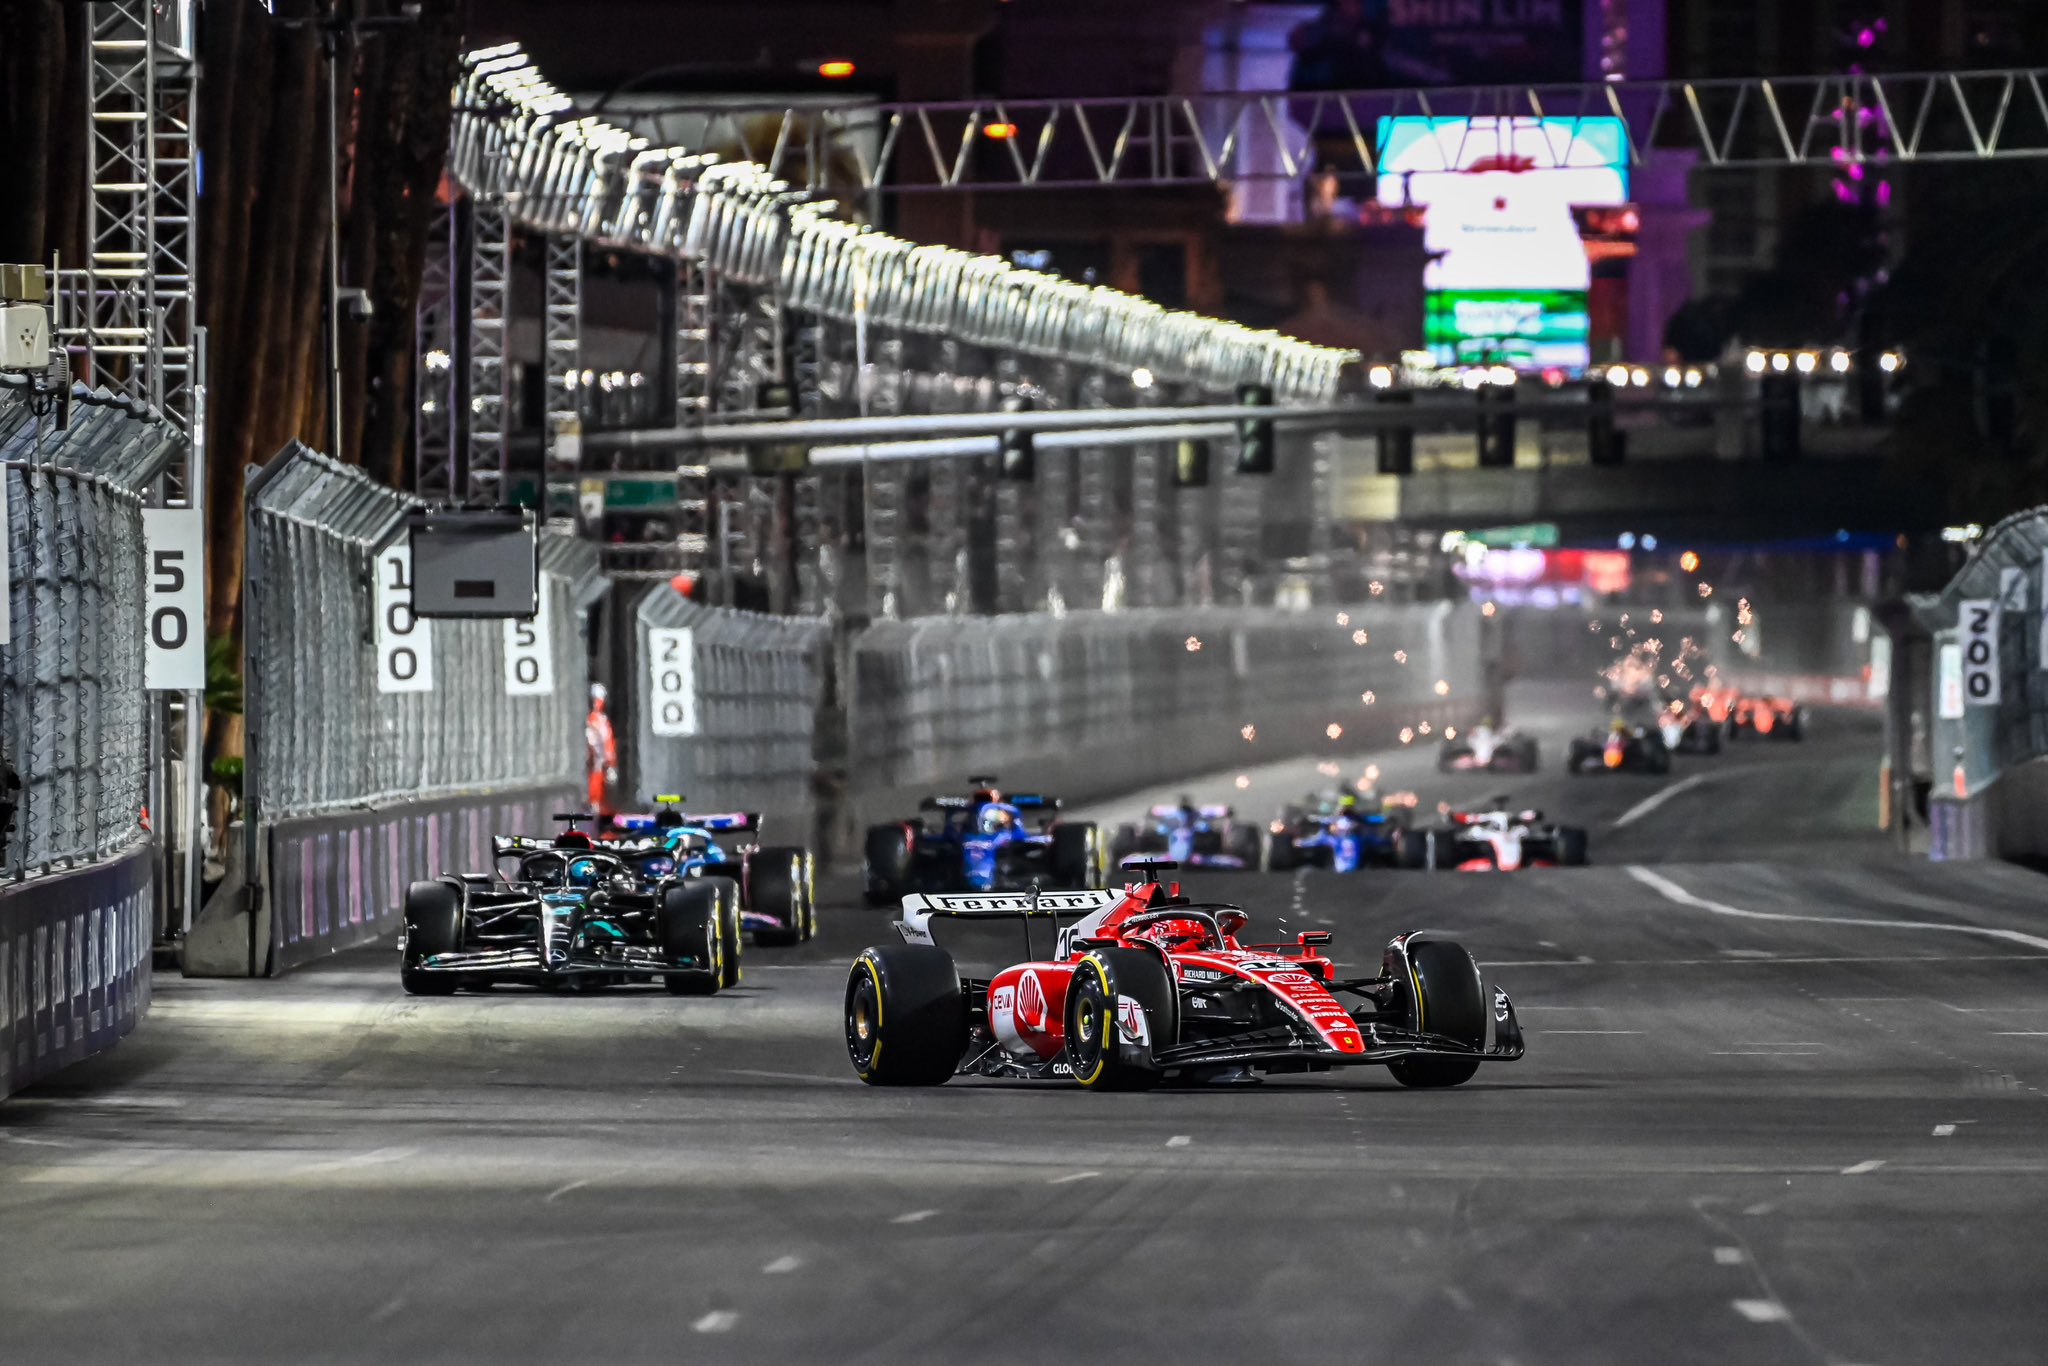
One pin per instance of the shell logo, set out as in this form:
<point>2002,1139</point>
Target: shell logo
<point>1031,1008</point>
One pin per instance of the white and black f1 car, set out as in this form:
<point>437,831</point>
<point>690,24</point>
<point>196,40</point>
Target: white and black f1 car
<point>1496,839</point>
<point>568,912</point>
<point>1144,985</point>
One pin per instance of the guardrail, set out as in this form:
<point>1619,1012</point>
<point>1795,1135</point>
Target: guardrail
<point>76,910</point>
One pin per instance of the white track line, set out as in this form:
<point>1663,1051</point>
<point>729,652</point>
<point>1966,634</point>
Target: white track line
<point>717,1321</point>
<point>1672,892</point>
<point>1761,1311</point>
<point>1657,799</point>
<point>1862,1168</point>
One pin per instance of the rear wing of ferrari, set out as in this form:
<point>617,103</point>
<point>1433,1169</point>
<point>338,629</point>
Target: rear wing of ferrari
<point>921,908</point>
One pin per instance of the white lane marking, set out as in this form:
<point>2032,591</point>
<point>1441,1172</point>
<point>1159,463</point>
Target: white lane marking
<point>1747,953</point>
<point>1944,1130</point>
<point>1764,1053</point>
<point>2021,1034</point>
<point>1764,1208</point>
<point>1729,1256</point>
<point>1761,1311</point>
<point>1860,1168</point>
<point>1796,960</point>
<point>1671,891</point>
<point>717,1321</point>
<point>787,1076</point>
<point>371,1158</point>
<point>1657,799</point>
<point>916,1216</point>
<point>1458,1298</point>
<point>1585,1031</point>
<point>1179,1141</point>
<point>388,1308</point>
<point>1072,1177</point>
<point>560,1191</point>
<point>782,1265</point>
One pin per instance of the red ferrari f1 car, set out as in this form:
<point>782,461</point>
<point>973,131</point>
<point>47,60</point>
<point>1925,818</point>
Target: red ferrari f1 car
<point>1144,984</point>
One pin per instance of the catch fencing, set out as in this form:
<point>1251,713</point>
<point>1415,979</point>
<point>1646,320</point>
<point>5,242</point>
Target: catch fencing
<point>1092,703</point>
<point>1982,705</point>
<point>338,740</point>
<point>725,709</point>
<point>76,911</point>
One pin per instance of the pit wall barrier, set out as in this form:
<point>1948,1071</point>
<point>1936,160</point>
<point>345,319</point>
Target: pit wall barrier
<point>74,964</point>
<point>344,771</point>
<point>725,709</point>
<point>78,905</point>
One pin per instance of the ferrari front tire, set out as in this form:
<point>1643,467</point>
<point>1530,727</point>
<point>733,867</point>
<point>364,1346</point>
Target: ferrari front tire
<point>906,1015</point>
<point>1443,997</point>
<point>1101,1057</point>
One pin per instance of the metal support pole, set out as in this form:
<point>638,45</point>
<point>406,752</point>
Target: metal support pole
<point>434,373</point>
<point>490,273</point>
<point>562,325</point>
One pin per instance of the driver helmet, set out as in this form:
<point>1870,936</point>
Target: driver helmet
<point>1176,935</point>
<point>993,820</point>
<point>583,872</point>
<point>1617,725</point>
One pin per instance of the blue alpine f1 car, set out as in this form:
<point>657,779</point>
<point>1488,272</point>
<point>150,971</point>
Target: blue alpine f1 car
<point>1190,835</point>
<point>983,841</point>
<point>1340,831</point>
<point>775,883</point>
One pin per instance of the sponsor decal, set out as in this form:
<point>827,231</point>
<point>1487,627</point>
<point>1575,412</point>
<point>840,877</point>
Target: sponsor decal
<point>1291,979</point>
<point>1193,974</point>
<point>1131,1022</point>
<point>1500,1006</point>
<point>1031,1006</point>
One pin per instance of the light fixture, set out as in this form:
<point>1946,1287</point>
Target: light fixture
<point>1754,362</point>
<point>1001,132</point>
<point>1780,362</point>
<point>1806,361</point>
<point>836,70</point>
<point>1141,378</point>
<point>1381,376</point>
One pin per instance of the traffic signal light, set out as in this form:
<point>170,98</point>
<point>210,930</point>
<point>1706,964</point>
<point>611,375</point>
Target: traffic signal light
<point>1779,395</point>
<point>1397,444</point>
<point>1019,459</point>
<point>1604,445</point>
<point>1497,426</point>
<point>1255,437</point>
<point>1191,465</point>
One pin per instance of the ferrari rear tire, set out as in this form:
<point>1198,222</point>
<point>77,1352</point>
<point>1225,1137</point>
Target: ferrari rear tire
<point>433,924</point>
<point>1101,1058</point>
<point>776,887</point>
<point>886,860</point>
<point>906,1015</point>
<point>693,929</point>
<point>1444,998</point>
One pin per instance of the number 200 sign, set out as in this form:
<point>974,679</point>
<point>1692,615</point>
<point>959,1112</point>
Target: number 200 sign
<point>1979,617</point>
<point>672,660</point>
<point>405,644</point>
<point>174,587</point>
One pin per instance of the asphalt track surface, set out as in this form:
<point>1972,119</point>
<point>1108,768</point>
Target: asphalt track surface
<point>1783,1103</point>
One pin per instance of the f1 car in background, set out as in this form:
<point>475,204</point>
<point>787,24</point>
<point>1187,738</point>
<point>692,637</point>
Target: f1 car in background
<point>776,884</point>
<point>1498,839</point>
<point>1192,836</point>
<point>1620,747</point>
<point>981,842</point>
<point>570,912</point>
<point>1144,985</point>
<point>1495,750</point>
<point>1767,718</point>
<point>1340,831</point>
<point>1689,729</point>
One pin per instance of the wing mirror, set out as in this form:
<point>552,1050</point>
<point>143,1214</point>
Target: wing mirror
<point>1230,922</point>
<point>1311,938</point>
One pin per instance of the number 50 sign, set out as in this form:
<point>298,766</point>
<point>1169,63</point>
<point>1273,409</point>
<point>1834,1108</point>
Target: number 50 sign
<point>174,600</point>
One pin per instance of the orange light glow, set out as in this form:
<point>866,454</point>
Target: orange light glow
<point>835,70</point>
<point>1612,756</point>
<point>999,131</point>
